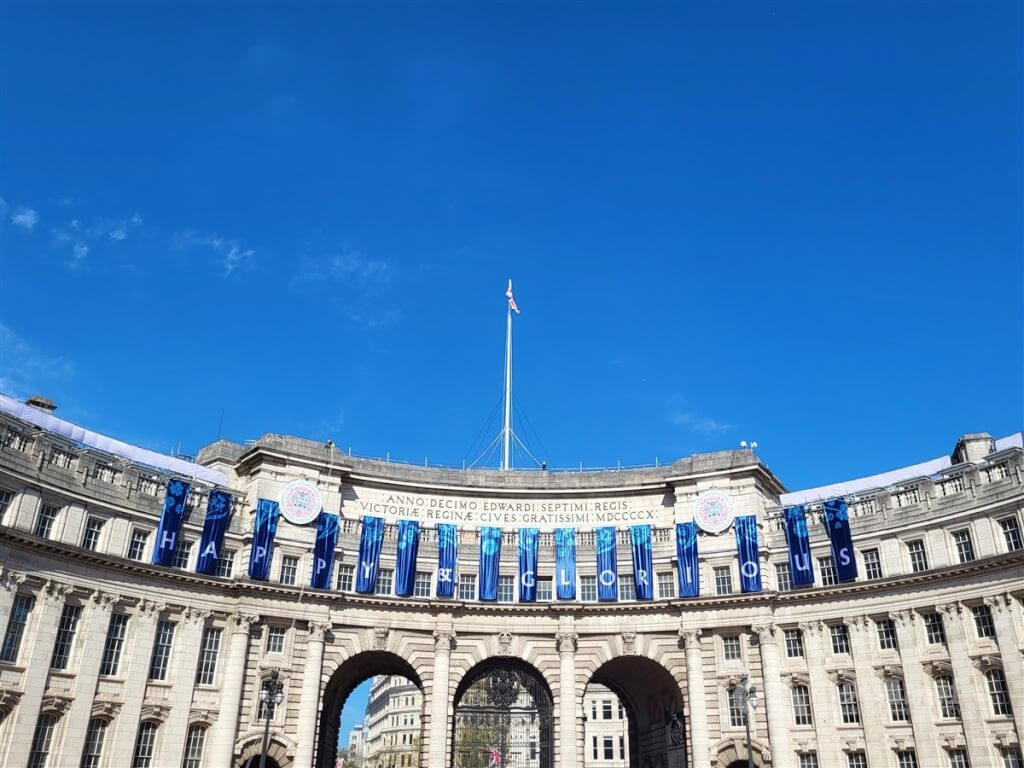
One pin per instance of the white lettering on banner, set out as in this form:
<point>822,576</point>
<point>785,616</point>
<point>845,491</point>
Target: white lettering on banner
<point>320,564</point>
<point>689,575</point>
<point>167,542</point>
<point>607,578</point>
<point>641,576</point>
<point>844,556</point>
<point>527,578</point>
<point>367,567</point>
<point>209,549</point>
<point>261,553</point>
<point>444,574</point>
<point>802,562</point>
<point>565,578</point>
<point>750,569</point>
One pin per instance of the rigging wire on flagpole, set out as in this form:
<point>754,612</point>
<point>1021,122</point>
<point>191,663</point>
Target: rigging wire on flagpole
<point>478,440</point>
<point>520,411</point>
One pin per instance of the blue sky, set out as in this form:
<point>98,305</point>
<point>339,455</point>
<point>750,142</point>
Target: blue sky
<point>798,223</point>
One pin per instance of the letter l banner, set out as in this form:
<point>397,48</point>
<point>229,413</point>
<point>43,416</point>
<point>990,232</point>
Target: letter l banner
<point>607,564</point>
<point>323,551</point>
<point>565,563</point>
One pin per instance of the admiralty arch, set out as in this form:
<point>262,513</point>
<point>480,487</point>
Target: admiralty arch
<point>111,660</point>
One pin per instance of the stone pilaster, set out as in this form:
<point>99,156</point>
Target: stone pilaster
<point>1009,649</point>
<point>774,693</point>
<point>134,670</point>
<point>187,641</point>
<point>823,700</point>
<point>972,711</point>
<point>9,584</point>
<point>440,696</point>
<point>309,700</point>
<point>919,693</point>
<point>862,643</point>
<point>222,743</point>
<point>697,696</point>
<point>569,708</point>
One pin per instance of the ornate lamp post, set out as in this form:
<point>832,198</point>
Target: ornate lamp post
<point>271,694</point>
<point>746,697</point>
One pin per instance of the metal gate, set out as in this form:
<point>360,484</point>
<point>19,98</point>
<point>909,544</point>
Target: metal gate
<point>503,717</point>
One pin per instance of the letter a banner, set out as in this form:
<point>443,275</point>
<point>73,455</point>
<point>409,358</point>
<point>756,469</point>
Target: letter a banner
<point>218,508</point>
<point>689,567</point>
<point>746,544</point>
<point>369,554</point>
<point>838,522</point>
<point>170,522</point>
<point>800,566</point>
<point>607,564</point>
<point>263,530</point>
<point>490,556</point>
<point>408,547</point>
<point>323,551</point>
<point>447,555</point>
<point>565,563</point>
<point>528,565</point>
<point>643,566</point>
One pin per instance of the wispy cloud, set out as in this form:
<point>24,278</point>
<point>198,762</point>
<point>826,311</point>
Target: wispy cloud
<point>689,418</point>
<point>25,218</point>
<point>230,253</point>
<point>349,265</point>
<point>25,370</point>
<point>118,234</point>
<point>378,319</point>
<point>80,251</point>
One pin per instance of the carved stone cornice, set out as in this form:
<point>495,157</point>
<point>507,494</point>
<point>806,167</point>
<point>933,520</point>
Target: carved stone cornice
<point>9,699</point>
<point>858,623</point>
<point>55,591</point>
<point>194,615</point>
<point>150,610</point>
<point>691,637</point>
<point>55,705</point>
<point>318,631</point>
<point>202,717</point>
<point>889,670</point>
<point>838,676</point>
<point>766,633</point>
<point>999,603</point>
<point>937,668</point>
<point>106,710</point>
<point>504,643</point>
<point>444,639</point>
<point>796,678</point>
<point>566,641</point>
<point>812,628</point>
<point>104,601</point>
<point>380,638</point>
<point>987,661</point>
<point>951,610</point>
<point>904,618</point>
<point>155,712</point>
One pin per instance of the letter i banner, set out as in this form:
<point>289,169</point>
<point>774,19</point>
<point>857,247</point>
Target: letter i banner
<point>447,556</point>
<point>528,564</point>
<point>689,566</point>
<point>746,544</point>
<point>170,522</point>
<point>218,509</point>
<point>408,547</point>
<point>565,563</point>
<point>800,565</point>
<point>607,564</point>
<point>490,557</point>
<point>264,528</point>
<point>323,551</point>
<point>640,541</point>
<point>369,554</point>
<point>838,522</point>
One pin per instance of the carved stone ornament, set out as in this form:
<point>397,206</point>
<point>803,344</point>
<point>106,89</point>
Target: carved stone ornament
<point>104,601</point>
<point>9,700</point>
<point>504,643</point>
<point>380,638</point>
<point>105,709</point>
<point>796,678</point>
<point>858,623</point>
<point>444,639</point>
<point>242,622</point>
<point>812,628</point>
<point>201,717</point>
<point>842,676</point>
<point>765,633</point>
<point>987,662</point>
<point>629,643</point>
<point>904,618</point>
<point>318,631</point>
<point>951,610</point>
<point>148,609</point>
<point>11,580</point>
<point>55,705</point>
<point>889,670</point>
<point>55,591</point>
<point>936,668</point>
<point>999,603</point>
<point>156,712</point>
<point>691,637</point>
<point>566,642</point>
<point>194,615</point>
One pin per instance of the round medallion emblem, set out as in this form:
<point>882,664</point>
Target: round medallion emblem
<point>301,502</point>
<point>714,512</point>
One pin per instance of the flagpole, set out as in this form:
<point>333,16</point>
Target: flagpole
<point>506,456</point>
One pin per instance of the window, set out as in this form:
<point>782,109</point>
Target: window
<point>856,760</point>
<point>609,748</point>
<point>91,537</point>
<point>840,638</point>
<point>808,760</point>
<point>289,568</point>
<point>421,586</point>
<point>958,758</point>
<point>116,631</point>
<point>887,640</point>
<point>384,578</point>
<point>801,705</point>
<point>849,707</point>
<point>208,650</point>
<point>666,585</point>
<point>594,751</point>
<point>506,589</point>
<point>346,574</point>
<point>949,707</point>
<point>896,693</point>
<point>181,555</point>
<point>1011,757</point>
<point>737,708</point>
<point>794,644</point>
<point>161,650</point>
<point>964,545</point>
<point>94,738</point>
<point>606,709</point>
<point>731,648</point>
<point>44,523</point>
<point>1010,526</point>
<point>225,565</point>
<point>828,571</point>
<point>983,624</point>
<point>20,611</point>
<point>544,590</point>
<point>918,556</point>
<point>872,564</point>
<point>627,587</point>
<point>783,577</point>
<point>137,546</point>
<point>934,629</point>
<point>41,740</point>
<point>998,692</point>
<point>906,758</point>
<point>5,503</point>
<point>275,639</point>
<point>69,617</point>
<point>467,586</point>
<point>194,743</point>
<point>588,588</point>
<point>144,746</point>
<point>723,580</point>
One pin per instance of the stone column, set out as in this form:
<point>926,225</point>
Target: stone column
<point>774,694</point>
<point>440,697</point>
<point>869,694</point>
<point>824,704</point>
<point>134,669</point>
<point>187,642</point>
<point>569,712</point>
<point>972,711</point>
<point>1009,649</point>
<point>222,746</point>
<point>309,698</point>
<point>919,693</point>
<point>700,755</point>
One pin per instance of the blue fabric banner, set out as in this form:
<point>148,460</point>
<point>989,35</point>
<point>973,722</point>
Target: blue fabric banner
<point>218,509</point>
<point>369,554</point>
<point>607,564</point>
<point>689,566</point>
<point>528,564</point>
<point>408,547</point>
<point>447,556</point>
<point>170,522</point>
<point>801,568</point>
<point>323,551</point>
<point>263,529</point>
<point>746,544</point>
<point>490,558</point>
<point>565,563</point>
<point>838,522</point>
<point>643,563</point>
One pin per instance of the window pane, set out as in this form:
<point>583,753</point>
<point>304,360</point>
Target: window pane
<point>20,611</point>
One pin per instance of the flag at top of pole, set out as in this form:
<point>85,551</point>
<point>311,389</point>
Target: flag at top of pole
<point>511,299</point>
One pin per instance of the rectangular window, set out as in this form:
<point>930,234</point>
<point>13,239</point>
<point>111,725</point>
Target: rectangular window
<point>794,644</point>
<point>275,639</point>
<point>896,693</point>
<point>918,556</point>
<point>5,503</point>
<point>934,629</point>
<point>44,523</point>
<point>801,705</point>
<point>66,629</point>
<point>723,580</point>
<point>627,587</point>
<point>114,644</point>
<point>872,564</point>
<point>162,650</point>
<point>194,743</point>
<point>887,640</point>
<point>594,752</point>
<point>609,748</point>
<point>840,638</point>
<point>606,709</point>
<point>506,589</point>
<point>906,758</point>
<point>209,649</point>
<point>731,650</point>
<point>958,758</point>
<point>346,574</point>
<point>42,739</point>
<point>1011,757</point>
<point>91,537</point>
<point>385,577</point>
<point>808,760</point>
<point>856,760</point>
<point>737,708</point>
<point>983,624</point>
<point>783,577</point>
<point>998,692</point>
<point>849,707</point>
<point>1010,526</point>
<point>949,707</point>
<point>544,590</point>
<point>20,611</point>
<point>181,555</point>
<point>828,571</point>
<point>588,589</point>
<point>421,586</point>
<point>964,545</point>
<point>145,745</point>
<point>94,738</point>
<point>137,545</point>
<point>666,585</point>
<point>467,586</point>
<point>289,569</point>
<point>225,565</point>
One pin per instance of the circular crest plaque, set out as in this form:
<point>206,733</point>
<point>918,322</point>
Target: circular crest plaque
<point>714,512</point>
<point>300,502</point>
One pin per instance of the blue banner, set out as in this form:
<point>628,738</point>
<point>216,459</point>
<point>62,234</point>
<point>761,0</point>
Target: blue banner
<point>218,509</point>
<point>689,566</point>
<point>801,568</point>
<point>170,522</point>
<point>447,556</point>
<point>263,529</point>
<point>369,554</point>
<point>607,564</point>
<point>408,547</point>
<point>490,559</point>
<point>565,563</point>
<point>643,563</point>
<point>750,562</point>
<point>323,551</point>
<point>528,565</point>
<point>838,522</point>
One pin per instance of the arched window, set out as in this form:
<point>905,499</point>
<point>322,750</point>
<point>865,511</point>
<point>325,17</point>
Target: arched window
<point>41,741</point>
<point>801,705</point>
<point>998,692</point>
<point>95,737</point>
<point>949,707</point>
<point>896,692</point>
<point>849,707</point>
<point>145,746</point>
<point>195,741</point>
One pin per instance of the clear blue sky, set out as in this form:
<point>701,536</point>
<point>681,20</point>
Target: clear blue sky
<point>798,223</point>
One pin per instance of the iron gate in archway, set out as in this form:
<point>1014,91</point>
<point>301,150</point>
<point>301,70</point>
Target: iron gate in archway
<point>504,717</point>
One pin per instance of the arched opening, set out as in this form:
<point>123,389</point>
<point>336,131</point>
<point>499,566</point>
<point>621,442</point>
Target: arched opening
<point>394,712</point>
<point>254,762</point>
<point>654,733</point>
<point>504,715</point>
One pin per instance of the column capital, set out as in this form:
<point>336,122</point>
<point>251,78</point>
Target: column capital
<point>11,580</point>
<point>318,630</point>
<point>691,637</point>
<point>104,601</point>
<point>859,623</point>
<point>150,610</point>
<point>194,615</point>
<point>812,628</point>
<point>241,623</point>
<point>999,603</point>
<point>766,633</point>
<point>55,591</point>
<point>952,610</point>
<point>567,642</point>
<point>905,618</point>
<point>444,639</point>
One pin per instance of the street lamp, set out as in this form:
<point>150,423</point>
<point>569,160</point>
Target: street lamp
<point>271,694</point>
<point>746,696</point>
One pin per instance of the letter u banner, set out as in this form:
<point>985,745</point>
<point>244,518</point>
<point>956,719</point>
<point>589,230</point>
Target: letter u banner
<point>607,564</point>
<point>527,565</point>
<point>263,530</point>
<point>323,551</point>
<point>689,566</point>
<point>490,557</point>
<point>746,544</point>
<point>170,522</point>
<point>408,547</point>
<point>838,522</point>
<point>565,563</point>
<point>447,555</point>
<point>800,566</point>
<point>218,509</point>
<point>369,554</point>
<point>643,566</point>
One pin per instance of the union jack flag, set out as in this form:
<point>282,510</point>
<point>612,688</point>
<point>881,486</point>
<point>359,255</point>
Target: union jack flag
<point>493,757</point>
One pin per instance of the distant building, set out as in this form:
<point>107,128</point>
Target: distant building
<point>392,723</point>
